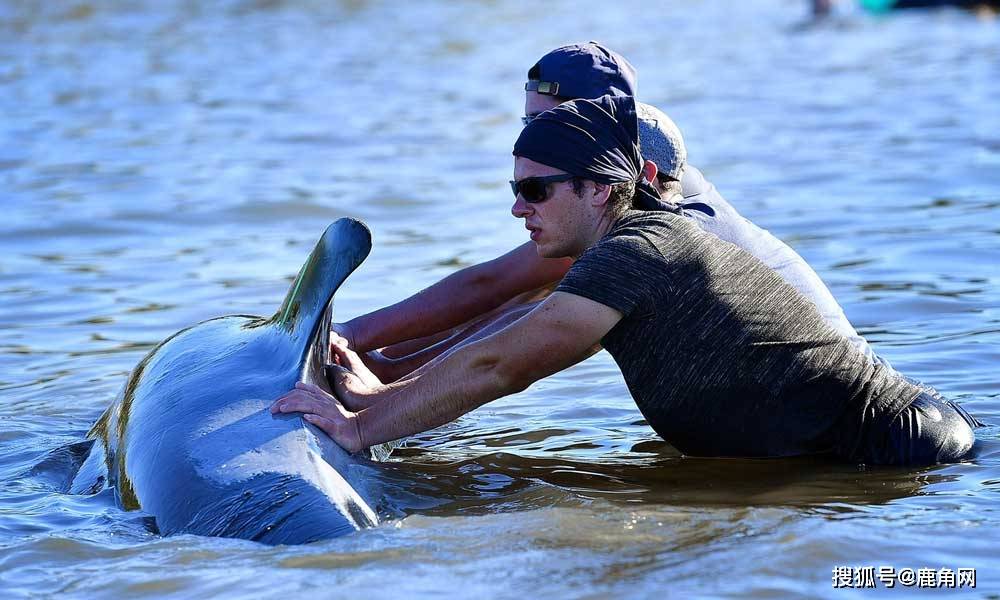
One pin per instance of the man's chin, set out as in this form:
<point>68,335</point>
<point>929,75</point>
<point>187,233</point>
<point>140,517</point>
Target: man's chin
<point>548,251</point>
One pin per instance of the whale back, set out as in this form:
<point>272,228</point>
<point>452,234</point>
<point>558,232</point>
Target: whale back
<point>191,441</point>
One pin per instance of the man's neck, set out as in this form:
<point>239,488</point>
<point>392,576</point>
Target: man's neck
<point>603,225</point>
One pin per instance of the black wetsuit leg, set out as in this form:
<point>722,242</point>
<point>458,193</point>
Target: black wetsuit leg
<point>930,430</point>
<point>972,421</point>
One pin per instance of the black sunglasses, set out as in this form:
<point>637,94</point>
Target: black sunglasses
<point>535,189</point>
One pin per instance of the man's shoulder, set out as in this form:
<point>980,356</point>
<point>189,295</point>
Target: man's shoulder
<point>646,236</point>
<point>698,190</point>
<point>652,226</point>
<point>634,219</point>
<point>693,182</point>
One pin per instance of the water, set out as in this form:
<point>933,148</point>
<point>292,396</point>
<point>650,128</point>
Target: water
<point>166,162</point>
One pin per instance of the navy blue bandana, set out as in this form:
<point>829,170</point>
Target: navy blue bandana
<point>592,139</point>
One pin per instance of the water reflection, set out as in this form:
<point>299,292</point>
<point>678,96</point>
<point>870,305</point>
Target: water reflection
<point>501,482</point>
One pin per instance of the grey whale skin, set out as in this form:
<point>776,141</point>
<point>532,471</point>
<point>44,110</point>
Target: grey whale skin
<point>191,442</point>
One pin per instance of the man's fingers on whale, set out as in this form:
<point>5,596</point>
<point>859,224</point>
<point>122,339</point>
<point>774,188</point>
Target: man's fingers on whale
<point>341,333</point>
<point>302,399</point>
<point>324,411</point>
<point>345,357</point>
<point>353,391</point>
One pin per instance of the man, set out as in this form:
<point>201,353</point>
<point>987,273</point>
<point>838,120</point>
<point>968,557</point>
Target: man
<point>722,356</point>
<point>488,295</point>
<point>822,8</point>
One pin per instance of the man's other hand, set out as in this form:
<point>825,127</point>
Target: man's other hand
<point>324,411</point>
<point>344,356</point>
<point>341,331</point>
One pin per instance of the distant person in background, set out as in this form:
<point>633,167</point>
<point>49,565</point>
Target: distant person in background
<point>823,7</point>
<point>483,298</point>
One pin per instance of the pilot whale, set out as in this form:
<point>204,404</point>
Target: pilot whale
<point>190,440</point>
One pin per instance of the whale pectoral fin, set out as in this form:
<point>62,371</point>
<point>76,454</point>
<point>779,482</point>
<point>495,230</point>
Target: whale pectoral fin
<point>61,466</point>
<point>92,475</point>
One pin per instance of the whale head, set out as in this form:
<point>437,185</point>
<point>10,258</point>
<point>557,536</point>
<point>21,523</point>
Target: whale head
<point>191,441</point>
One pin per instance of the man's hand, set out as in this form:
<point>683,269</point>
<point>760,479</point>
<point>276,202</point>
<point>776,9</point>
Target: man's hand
<point>353,391</point>
<point>342,355</point>
<point>341,331</point>
<point>324,411</point>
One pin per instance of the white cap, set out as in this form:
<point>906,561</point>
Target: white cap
<point>660,141</point>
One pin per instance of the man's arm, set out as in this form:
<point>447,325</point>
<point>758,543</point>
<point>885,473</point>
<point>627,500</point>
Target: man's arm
<point>560,332</point>
<point>389,369</point>
<point>455,299</point>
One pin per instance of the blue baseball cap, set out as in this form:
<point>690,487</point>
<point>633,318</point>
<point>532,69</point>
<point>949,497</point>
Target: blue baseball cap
<point>582,71</point>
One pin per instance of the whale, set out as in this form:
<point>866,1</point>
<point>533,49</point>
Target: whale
<point>191,443</point>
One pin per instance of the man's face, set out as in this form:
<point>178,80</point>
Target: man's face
<point>535,103</point>
<point>556,223</point>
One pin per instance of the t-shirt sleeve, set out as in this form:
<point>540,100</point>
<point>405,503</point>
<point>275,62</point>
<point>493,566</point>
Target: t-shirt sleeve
<point>613,273</point>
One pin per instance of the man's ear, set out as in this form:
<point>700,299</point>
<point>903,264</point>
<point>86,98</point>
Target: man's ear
<point>602,191</point>
<point>649,171</point>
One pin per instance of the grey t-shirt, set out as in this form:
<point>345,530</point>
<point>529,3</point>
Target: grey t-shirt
<point>729,225</point>
<point>722,356</point>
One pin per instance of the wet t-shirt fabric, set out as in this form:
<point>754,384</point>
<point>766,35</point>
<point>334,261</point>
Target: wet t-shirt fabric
<point>724,222</point>
<point>722,356</point>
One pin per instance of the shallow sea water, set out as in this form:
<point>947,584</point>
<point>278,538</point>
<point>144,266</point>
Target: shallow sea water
<point>166,162</point>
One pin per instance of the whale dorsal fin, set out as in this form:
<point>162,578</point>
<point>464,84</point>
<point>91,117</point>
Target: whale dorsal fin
<point>345,245</point>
